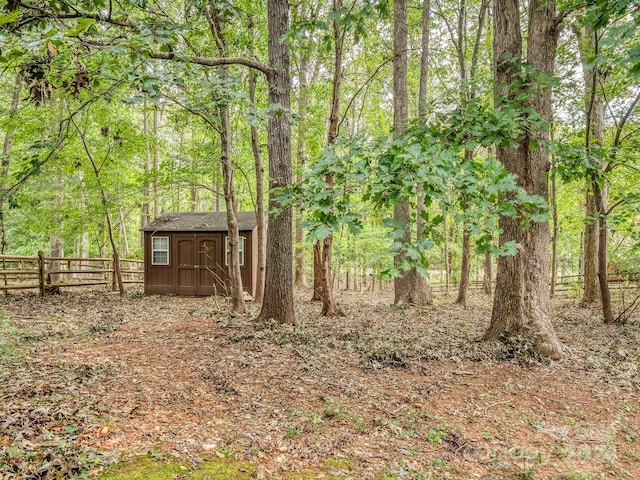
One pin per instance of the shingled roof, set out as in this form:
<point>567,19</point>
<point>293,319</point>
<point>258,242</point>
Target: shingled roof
<point>199,222</point>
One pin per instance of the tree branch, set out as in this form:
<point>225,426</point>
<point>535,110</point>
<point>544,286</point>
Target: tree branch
<point>216,62</point>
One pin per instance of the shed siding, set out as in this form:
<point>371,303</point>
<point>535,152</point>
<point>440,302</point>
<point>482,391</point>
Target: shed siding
<point>196,264</point>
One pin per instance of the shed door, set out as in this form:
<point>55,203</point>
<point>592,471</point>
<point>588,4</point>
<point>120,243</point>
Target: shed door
<point>185,248</point>
<point>210,270</point>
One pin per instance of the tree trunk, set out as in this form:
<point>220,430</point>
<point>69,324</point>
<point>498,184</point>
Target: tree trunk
<point>410,287</point>
<point>300,280</point>
<point>424,58</point>
<point>157,202</point>
<point>146,209</point>
<point>260,216</point>
<point>554,234</point>
<point>6,152</point>
<point>226,150</point>
<point>316,296</point>
<point>123,232</point>
<point>521,304</point>
<point>487,277</point>
<point>107,215</point>
<point>594,111</point>
<point>591,292</point>
<point>446,257</point>
<point>601,208</point>
<point>329,307</point>
<point>235,277</point>
<point>422,111</point>
<point>465,269</point>
<point>278,294</point>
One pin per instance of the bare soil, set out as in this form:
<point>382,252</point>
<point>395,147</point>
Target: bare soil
<point>401,392</point>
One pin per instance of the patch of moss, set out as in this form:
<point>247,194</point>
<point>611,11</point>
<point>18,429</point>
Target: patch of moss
<point>224,470</point>
<point>144,468</point>
<point>151,467</point>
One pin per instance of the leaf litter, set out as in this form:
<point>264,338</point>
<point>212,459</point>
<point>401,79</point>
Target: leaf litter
<point>90,378</point>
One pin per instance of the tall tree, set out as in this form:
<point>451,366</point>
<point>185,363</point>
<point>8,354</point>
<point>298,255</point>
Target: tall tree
<point>521,304</point>
<point>278,292</point>
<point>594,110</point>
<point>215,20</point>
<point>409,287</point>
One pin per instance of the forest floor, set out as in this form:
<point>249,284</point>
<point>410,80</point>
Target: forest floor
<point>382,393</point>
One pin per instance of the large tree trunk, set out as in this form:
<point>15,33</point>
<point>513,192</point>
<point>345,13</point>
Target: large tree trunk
<point>278,294</point>
<point>521,304</point>
<point>410,287</point>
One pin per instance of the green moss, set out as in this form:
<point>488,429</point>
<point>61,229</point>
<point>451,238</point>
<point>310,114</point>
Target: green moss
<point>144,468</point>
<point>224,470</point>
<point>152,467</point>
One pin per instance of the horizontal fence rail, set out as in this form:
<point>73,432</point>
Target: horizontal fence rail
<point>49,274</point>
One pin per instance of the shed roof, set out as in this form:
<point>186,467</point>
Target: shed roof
<point>199,222</point>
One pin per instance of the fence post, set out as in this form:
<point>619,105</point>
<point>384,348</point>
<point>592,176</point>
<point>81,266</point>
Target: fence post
<point>114,272</point>
<point>41,271</point>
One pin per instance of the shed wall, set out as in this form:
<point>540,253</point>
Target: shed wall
<point>197,264</point>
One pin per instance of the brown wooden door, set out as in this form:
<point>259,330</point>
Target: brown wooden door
<point>185,251</point>
<point>210,271</point>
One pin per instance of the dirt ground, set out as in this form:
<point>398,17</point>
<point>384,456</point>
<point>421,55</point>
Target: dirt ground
<point>390,392</point>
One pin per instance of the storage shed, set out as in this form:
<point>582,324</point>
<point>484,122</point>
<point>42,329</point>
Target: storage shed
<point>188,254</point>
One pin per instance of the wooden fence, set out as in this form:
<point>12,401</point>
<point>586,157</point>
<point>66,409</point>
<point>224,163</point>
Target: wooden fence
<point>566,286</point>
<point>49,274</point>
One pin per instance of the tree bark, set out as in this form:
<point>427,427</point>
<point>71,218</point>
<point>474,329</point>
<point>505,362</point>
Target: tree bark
<point>601,208</point>
<point>260,214</point>
<point>316,296</point>
<point>238,304</point>
<point>554,235</point>
<point>591,292</point>
<point>446,256</point>
<point>488,273</point>
<point>278,295</point>
<point>235,277</point>
<point>521,304</point>
<point>465,269</point>
<point>157,202</point>
<point>594,112</point>
<point>410,287</point>
<point>107,214</point>
<point>300,280</point>
<point>329,306</point>
<point>424,58</point>
<point>422,111</point>
<point>468,93</point>
<point>6,153</point>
